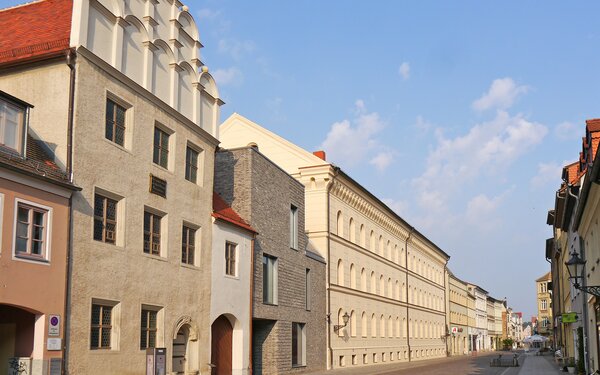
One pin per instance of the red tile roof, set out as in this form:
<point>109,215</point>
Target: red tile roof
<point>34,30</point>
<point>593,125</point>
<point>221,210</point>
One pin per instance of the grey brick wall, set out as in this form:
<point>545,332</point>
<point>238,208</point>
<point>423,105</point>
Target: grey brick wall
<point>262,194</point>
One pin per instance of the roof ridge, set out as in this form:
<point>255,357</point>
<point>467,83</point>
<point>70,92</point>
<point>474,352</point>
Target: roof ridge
<point>21,5</point>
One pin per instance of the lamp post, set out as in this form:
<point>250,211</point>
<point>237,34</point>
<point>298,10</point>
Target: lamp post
<point>575,267</point>
<point>345,319</point>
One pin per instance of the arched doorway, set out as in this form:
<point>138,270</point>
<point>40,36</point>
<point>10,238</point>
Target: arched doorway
<point>222,346</point>
<point>179,356</point>
<point>18,336</point>
<point>184,358</point>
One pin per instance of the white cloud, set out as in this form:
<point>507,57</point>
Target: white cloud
<point>397,206</point>
<point>567,131</point>
<point>501,95</point>
<point>231,76</point>
<point>547,174</point>
<point>236,48</point>
<point>382,160</point>
<point>481,210</point>
<point>205,13</point>
<point>350,142</point>
<point>404,70</point>
<point>422,124</point>
<point>487,148</point>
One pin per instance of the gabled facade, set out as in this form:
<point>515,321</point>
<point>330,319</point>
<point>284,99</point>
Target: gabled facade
<point>544,304</point>
<point>34,248</point>
<point>122,101</point>
<point>385,275</point>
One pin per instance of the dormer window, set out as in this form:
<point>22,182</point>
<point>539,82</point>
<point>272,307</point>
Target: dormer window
<point>13,115</point>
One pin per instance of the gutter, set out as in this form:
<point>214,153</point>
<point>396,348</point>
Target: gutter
<point>69,265</point>
<point>591,177</point>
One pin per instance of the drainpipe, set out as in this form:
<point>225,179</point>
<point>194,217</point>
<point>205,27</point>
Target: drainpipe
<point>330,356</point>
<point>251,302</point>
<point>412,229</point>
<point>68,267</point>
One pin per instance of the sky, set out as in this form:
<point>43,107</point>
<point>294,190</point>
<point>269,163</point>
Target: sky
<point>458,115</point>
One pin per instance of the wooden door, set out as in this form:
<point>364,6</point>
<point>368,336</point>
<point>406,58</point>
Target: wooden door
<point>222,339</point>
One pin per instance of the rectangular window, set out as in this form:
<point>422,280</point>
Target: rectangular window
<point>105,219</point>
<point>298,344</point>
<point>12,125</point>
<point>31,226</point>
<point>148,329</point>
<point>269,279</point>
<point>191,164</point>
<point>101,327</point>
<point>230,259</point>
<point>293,227</point>
<point>151,233</point>
<point>161,148</point>
<point>307,290</point>
<point>115,122</point>
<point>188,239</point>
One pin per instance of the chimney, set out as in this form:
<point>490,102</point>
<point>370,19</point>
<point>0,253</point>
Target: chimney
<point>320,154</point>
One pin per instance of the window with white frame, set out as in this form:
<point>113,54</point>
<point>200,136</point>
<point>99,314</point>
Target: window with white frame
<point>544,304</point>
<point>230,259</point>
<point>298,344</point>
<point>13,117</point>
<point>31,230</point>
<point>269,280</point>
<point>293,227</point>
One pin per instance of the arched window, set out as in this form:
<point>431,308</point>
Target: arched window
<point>389,250</point>
<point>352,276</point>
<point>341,322</point>
<point>397,290</point>
<point>390,327</point>
<point>404,328</point>
<point>381,249</point>
<point>363,280</point>
<point>373,326</point>
<point>390,290</point>
<point>411,332</point>
<point>372,241</point>
<point>381,286</point>
<point>398,328</point>
<point>363,239</point>
<point>373,283</point>
<point>395,255</point>
<point>382,326</point>
<point>340,272</point>
<point>402,293</point>
<point>352,324</point>
<point>352,230</point>
<point>402,258</point>
<point>340,224</point>
<point>363,324</point>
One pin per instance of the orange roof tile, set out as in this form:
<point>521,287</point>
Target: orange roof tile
<point>37,29</point>
<point>593,125</point>
<point>221,210</point>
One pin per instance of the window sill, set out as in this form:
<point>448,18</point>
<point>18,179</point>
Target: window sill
<point>231,277</point>
<point>270,304</point>
<point>298,366</point>
<point>163,169</point>
<point>155,257</point>
<point>190,266</point>
<point>31,259</point>
<point>116,145</point>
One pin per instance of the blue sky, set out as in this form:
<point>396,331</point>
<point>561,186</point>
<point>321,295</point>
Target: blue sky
<point>459,115</point>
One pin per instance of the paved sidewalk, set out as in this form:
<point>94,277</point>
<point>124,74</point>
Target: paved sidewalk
<point>539,365</point>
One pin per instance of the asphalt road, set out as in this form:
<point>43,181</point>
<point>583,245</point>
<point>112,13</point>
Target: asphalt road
<point>472,365</point>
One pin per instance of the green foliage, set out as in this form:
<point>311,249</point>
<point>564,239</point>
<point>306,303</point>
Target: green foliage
<point>507,343</point>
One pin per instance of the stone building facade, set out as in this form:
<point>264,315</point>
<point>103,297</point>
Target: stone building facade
<point>544,306</point>
<point>122,105</point>
<point>458,316</point>
<point>382,273</point>
<point>289,316</point>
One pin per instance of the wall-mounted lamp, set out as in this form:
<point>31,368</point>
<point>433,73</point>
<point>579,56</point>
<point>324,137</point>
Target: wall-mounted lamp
<point>345,319</point>
<point>575,266</point>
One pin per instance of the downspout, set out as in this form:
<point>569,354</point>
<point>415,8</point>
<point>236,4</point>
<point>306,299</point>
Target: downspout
<point>327,272</point>
<point>68,267</point>
<point>250,371</point>
<point>412,229</point>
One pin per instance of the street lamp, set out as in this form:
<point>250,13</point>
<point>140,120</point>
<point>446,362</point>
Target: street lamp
<point>575,267</point>
<point>345,319</point>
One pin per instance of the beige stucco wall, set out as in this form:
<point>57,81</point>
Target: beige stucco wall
<point>123,274</point>
<point>458,316</point>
